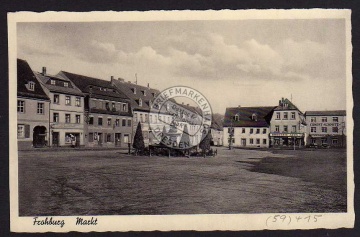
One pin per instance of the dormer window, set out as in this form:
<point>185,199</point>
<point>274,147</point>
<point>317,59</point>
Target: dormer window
<point>66,84</point>
<point>144,93</point>
<point>236,117</point>
<point>254,117</point>
<point>140,102</point>
<point>31,86</point>
<point>53,82</point>
<point>134,90</point>
<point>153,94</point>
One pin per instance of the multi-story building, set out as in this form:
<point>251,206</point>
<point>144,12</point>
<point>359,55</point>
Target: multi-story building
<point>140,99</point>
<point>326,127</point>
<point>32,109</point>
<point>108,113</point>
<point>66,110</point>
<point>247,126</point>
<point>288,125</point>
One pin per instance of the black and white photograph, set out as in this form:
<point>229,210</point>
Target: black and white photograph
<point>186,120</point>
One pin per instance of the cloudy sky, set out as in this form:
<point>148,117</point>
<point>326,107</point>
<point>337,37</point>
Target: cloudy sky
<point>237,62</point>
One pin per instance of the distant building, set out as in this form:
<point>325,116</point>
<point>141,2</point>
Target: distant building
<point>140,99</point>
<point>66,110</point>
<point>107,112</point>
<point>32,109</point>
<point>288,125</point>
<point>247,126</point>
<point>217,133</point>
<point>326,127</point>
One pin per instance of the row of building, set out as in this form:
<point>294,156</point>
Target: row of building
<point>67,108</point>
<point>283,125</point>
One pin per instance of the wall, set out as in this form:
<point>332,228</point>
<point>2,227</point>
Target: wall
<point>238,135</point>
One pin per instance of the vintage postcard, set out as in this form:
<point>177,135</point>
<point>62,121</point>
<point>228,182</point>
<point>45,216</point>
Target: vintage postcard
<point>181,120</point>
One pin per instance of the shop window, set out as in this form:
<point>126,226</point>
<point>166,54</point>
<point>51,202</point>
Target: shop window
<point>313,140</point>
<point>21,106</point>
<point>68,138</point>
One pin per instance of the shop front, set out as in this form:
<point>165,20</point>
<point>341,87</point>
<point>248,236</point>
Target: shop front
<point>287,140</point>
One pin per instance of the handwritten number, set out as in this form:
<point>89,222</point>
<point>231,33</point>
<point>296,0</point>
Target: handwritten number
<point>315,217</point>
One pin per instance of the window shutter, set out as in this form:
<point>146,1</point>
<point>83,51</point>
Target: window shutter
<point>27,130</point>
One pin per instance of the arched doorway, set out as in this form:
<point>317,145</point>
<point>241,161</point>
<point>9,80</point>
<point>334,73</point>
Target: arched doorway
<point>39,135</point>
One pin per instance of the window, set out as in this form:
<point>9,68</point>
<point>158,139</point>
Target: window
<point>66,84</point>
<point>334,141</point>
<point>109,121</point>
<point>313,119</point>
<point>113,107</point>
<point>264,141</point>
<point>126,138</point>
<point>251,130</point>
<point>243,130</point>
<point>67,118</point>
<point>55,117</point>
<point>67,138</point>
<point>107,106</point>
<point>78,101</point>
<point>78,118</point>
<point>313,129</point>
<point>313,140</point>
<point>40,108</point>
<point>251,141</point>
<point>134,90</point>
<point>141,118</point>
<point>323,140</point>
<point>285,115</point>
<point>324,119</point>
<point>293,128</point>
<point>21,106</point>
<point>129,122</point>
<point>264,130</point>
<point>123,122</point>
<point>56,99</point>
<point>257,130</point>
<point>135,117</point>
<point>285,128</point>
<point>31,86</point>
<point>335,119</point>
<point>108,137</point>
<point>323,129</point>
<point>293,115</point>
<point>67,100</point>
<point>277,128</point>
<point>53,82</point>
<point>124,107</point>
<point>257,141</point>
<point>277,115</point>
<point>91,120</point>
<point>146,118</point>
<point>335,129</point>
<point>117,122</point>
<point>100,121</point>
<point>20,131</point>
<point>140,102</point>
<point>91,137</point>
<point>236,118</point>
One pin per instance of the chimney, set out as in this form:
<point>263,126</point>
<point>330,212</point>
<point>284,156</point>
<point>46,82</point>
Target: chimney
<point>148,85</point>
<point>43,71</point>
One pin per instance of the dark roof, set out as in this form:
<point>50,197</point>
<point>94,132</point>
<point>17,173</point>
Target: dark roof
<point>128,89</point>
<point>216,125</point>
<point>263,114</point>
<point>46,81</point>
<point>285,104</point>
<point>25,75</point>
<point>326,113</point>
<point>90,84</point>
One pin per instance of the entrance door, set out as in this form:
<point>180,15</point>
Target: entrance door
<point>55,139</point>
<point>243,142</point>
<point>77,139</point>
<point>100,139</point>
<point>117,139</point>
<point>39,135</point>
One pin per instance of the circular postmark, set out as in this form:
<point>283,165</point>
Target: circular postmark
<point>179,125</point>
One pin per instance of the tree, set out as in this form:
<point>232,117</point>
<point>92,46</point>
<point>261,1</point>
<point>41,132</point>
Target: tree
<point>139,144</point>
<point>185,140</point>
<point>205,142</point>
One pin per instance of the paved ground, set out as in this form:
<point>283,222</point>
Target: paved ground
<point>236,181</point>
